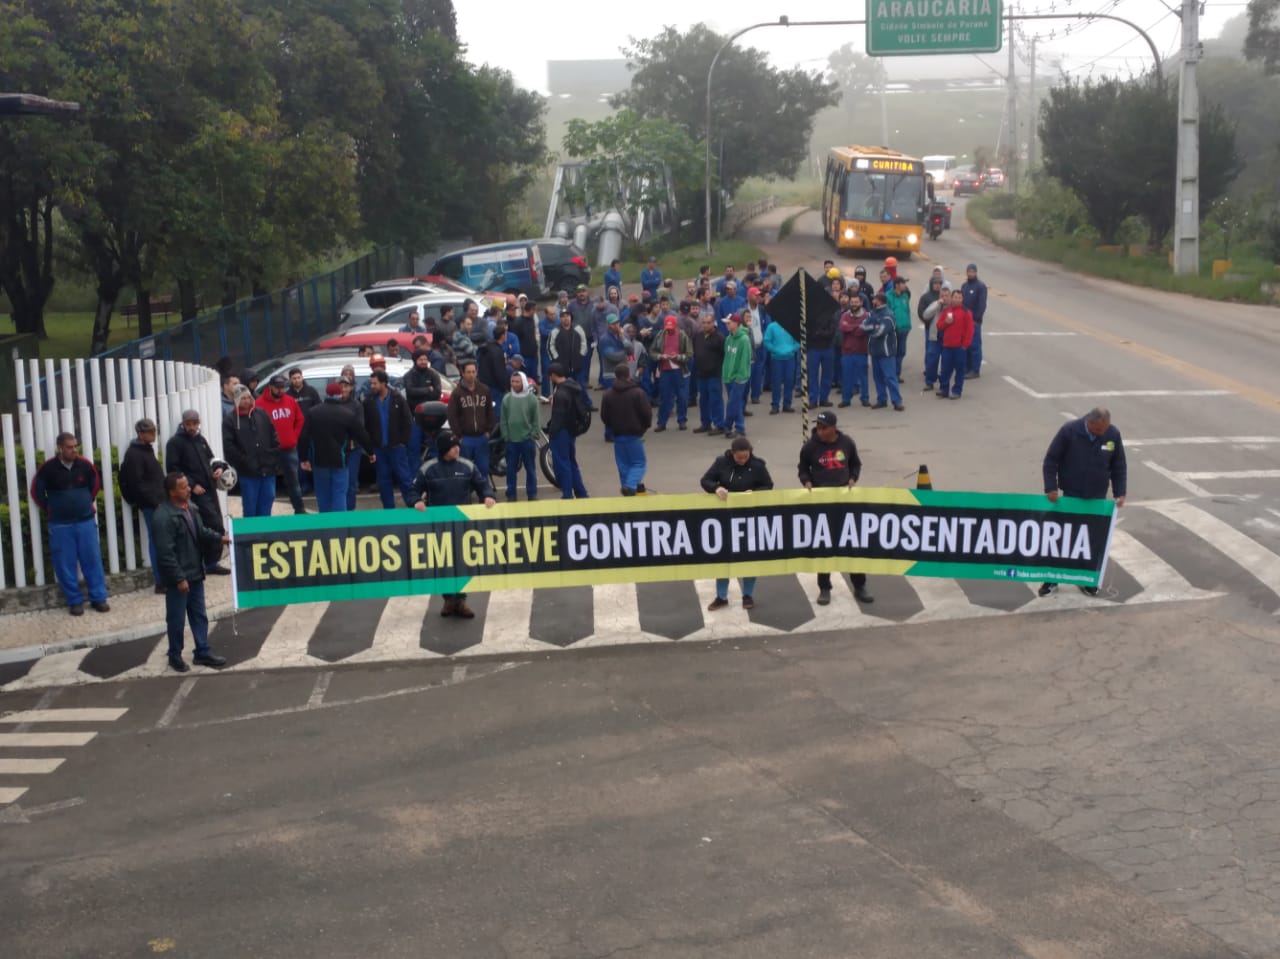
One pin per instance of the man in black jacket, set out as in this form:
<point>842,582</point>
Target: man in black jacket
<point>560,432</point>
<point>330,434</point>
<point>252,446</point>
<point>142,482</point>
<point>830,459</point>
<point>181,540</point>
<point>450,480</point>
<point>525,329</point>
<point>189,453</point>
<point>388,421</point>
<point>421,385</point>
<point>708,362</point>
<point>628,414</point>
<point>305,395</point>
<point>739,470</point>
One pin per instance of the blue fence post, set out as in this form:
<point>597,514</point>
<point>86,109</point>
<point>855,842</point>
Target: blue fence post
<point>193,330</point>
<point>333,297</point>
<point>266,317</point>
<point>243,309</point>
<point>223,344</point>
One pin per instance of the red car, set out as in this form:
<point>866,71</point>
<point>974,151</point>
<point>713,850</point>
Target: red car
<point>375,338</point>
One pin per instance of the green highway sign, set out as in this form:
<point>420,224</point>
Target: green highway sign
<point>903,28</point>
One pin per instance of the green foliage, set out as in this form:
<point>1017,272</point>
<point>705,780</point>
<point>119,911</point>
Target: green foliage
<point>1050,210</point>
<point>1003,205</point>
<point>1114,145</point>
<point>1263,39</point>
<point>761,117</point>
<point>857,76</point>
<point>1271,238</point>
<point>1228,218</point>
<point>1252,99</point>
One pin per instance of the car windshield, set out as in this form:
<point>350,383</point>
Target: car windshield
<point>884,197</point>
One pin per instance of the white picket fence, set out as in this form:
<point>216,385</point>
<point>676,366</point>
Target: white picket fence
<point>99,401</point>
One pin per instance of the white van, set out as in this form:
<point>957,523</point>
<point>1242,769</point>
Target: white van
<point>940,168</point>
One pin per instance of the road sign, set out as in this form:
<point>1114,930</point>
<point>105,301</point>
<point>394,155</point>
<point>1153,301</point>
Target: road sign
<point>903,28</point>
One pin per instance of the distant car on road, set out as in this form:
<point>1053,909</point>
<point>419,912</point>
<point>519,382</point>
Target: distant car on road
<point>993,177</point>
<point>966,181</point>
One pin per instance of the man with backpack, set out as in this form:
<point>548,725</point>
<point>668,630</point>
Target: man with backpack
<point>570,418</point>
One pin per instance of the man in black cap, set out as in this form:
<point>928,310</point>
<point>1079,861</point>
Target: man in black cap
<point>830,459</point>
<point>189,452</point>
<point>330,436</point>
<point>450,480</point>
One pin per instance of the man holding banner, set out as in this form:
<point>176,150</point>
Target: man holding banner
<point>830,458</point>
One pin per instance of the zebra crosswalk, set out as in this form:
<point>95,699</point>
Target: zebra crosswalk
<point>1162,552</point>
<point>16,760</point>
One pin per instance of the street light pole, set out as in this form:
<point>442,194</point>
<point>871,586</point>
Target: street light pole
<point>1186,214</point>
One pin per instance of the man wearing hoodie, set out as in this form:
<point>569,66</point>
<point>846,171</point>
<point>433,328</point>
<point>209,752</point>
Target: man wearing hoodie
<point>520,421</point>
<point>330,436</point>
<point>882,347</point>
<point>955,326</point>
<point>252,446</point>
<point>782,348</point>
<point>560,432</point>
<point>853,354</point>
<point>736,374</point>
<point>975,301</point>
<point>190,453</point>
<point>670,352</point>
<point>286,417</point>
<point>899,300</point>
<point>627,414</point>
<point>142,482</point>
<point>927,309</point>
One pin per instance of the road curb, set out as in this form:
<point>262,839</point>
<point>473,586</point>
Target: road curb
<point>40,650</point>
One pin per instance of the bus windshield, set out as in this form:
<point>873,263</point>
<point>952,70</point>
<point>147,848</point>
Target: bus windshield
<point>884,197</point>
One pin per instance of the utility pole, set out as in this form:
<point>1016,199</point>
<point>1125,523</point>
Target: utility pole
<point>884,118</point>
<point>1014,145</point>
<point>1033,112</point>
<point>1186,215</point>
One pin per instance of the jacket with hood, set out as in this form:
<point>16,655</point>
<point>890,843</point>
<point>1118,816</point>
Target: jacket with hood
<point>737,357</point>
<point>491,367</point>
<point>141,477</point>
<point>955,327</point>
<point>737,479</point>
<point>822,333</point>
<point>471,410</point>
<point>625,409</point>
<point>975,299</point>
<point>853,338</point>
<point>708,353</point>
<point>521,413</point>
<point>830,464</point>
<point>328,435</point>
<point>568,347</point>
<point>251,443</point>
<point>286,417</point>
<point>684,349</point>
<point>882,334</point>
<point>923,313</point>
<point>900,304</point>
<point>66,494</point>
<point>779,343</point>
<point>421,386</point>
<point>562,403</point>
<point>191,456</point>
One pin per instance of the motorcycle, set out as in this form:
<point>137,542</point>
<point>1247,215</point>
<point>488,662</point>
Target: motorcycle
<point>935,226</point>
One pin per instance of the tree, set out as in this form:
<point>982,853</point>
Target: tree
<point>856,75</point>
<point>762,118</point>
<point>1114,144</point>
<point>1262,42</point>
<point>1252,99</point>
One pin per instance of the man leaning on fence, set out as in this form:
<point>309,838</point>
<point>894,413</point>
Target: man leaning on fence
<point>66,490</point>
<point>142,482</point>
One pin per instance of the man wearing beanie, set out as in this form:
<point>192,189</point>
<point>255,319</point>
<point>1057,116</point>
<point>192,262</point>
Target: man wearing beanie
<point>974,292</point>
<point>830,459</point>
<point>450,480</point>
<point>421,385</point>
<point>330,435</point>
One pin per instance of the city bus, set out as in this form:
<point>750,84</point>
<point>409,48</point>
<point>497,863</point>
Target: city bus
<point>874,198</point>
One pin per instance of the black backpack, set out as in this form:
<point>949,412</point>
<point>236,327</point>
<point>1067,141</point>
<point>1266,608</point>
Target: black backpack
<point>580,413</point>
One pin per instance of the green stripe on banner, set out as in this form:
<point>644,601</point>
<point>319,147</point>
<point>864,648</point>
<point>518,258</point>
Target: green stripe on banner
<point>1075,577</point>
<point>384,589</point>
<point>289,522</point>
<point>1032,502</point>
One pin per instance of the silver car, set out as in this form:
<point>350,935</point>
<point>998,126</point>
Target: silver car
<point>363,305</point>
<point>428,306</point>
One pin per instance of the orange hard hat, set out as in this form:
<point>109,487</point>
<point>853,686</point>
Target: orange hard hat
<point>377,360</point>
<point>891,261</point>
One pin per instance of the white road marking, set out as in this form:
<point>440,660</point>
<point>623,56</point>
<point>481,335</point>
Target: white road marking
<point>398,635</point>
<point>1203,441</point>
<point>54,806</point>
<point>319,689</point>
<point>507,619</point>
<point>1178,478</point>
<point>63,716</point>
<point>43,740</point>
<point>8,795</point>
<point>1026,333</point>
<point>28,767</point>
<point>1160,582</point>
<point>459,673</point>
<point>943,599</point>
<point>286,644</point>
<point>1250,555</point>
<point>175,704</point>
<point>1233,475</point>
<point>1070,416</point>
<point>1086,394</point>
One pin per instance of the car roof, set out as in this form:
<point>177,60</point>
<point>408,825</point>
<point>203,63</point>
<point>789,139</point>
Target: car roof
<point>486,247</point>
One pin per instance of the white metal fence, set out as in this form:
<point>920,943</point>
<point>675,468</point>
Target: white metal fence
<point>98,400</point>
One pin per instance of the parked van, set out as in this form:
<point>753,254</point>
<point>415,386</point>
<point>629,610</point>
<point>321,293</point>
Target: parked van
<point>941,168</point>
<point>512,267</point>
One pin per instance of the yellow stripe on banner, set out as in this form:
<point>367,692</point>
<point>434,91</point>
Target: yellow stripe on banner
<point>681,501</point>
<point>661,574</point>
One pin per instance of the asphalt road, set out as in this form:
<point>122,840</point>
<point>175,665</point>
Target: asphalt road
<point>1078,782</point>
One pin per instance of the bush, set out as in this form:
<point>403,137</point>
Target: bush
<point>1271,238</point>
<point>1004,206</point>
<point>1051,210</point>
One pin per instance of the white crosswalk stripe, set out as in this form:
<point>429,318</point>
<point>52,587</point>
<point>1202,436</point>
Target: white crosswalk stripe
<point>24,739</point>
<point>1251,555</point>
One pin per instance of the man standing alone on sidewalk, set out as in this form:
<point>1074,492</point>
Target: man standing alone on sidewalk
<point>627,413</point>
<point>66,490</point>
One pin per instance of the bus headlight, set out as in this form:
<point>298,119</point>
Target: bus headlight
<point>912,239</point>
<point>848,233</point>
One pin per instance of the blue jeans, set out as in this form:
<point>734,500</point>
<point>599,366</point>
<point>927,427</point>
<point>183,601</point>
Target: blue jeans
<point>759,359</point>
<point>902,352</point>
<point>819,376</point>
<point>784,381</point>
<point>331,488</point>
<point>292,484</point>
<point>671,393</point>
<point>75,550</point>
<point>476,449</point>
<point>735,407</point>
<point>257,494</point>
<point>392,469</point>
<point>522,453</point>
<point>354,458</point>
<point>711,402</point>
<point>975,351</point>
<point>836,371</point>
<point>148,516</point>
<point>564,454</point>
<point>414,449</point>
<point>885,371</point>
<point>189,606</point>
<point>628,454</point>
<point>953,361</point>
<point>853,370</point>
<point>932,357</point>
<point>748,584</point>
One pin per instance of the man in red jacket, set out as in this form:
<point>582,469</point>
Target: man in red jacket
<point>286,417</point>
<point>955,326</point>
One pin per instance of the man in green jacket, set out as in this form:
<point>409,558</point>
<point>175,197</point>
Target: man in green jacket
<point>737,376</point>
<point>520,423</point>
<point>181,541</point>
<point>899,299</point>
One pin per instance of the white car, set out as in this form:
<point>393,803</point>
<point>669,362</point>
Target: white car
<point>428,306</point>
